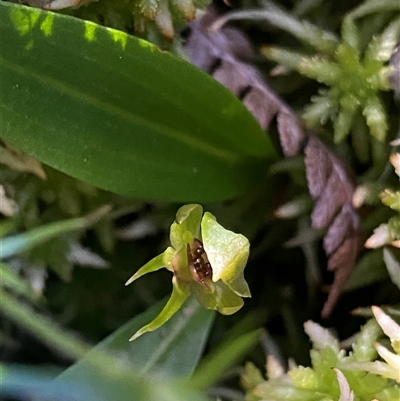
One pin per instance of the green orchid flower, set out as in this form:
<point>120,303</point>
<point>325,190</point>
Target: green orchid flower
<point>206,260</point>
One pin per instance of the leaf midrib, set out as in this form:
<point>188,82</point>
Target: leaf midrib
<point>178,136</point>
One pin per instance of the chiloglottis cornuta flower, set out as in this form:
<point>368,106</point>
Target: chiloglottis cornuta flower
<point>206,260</point>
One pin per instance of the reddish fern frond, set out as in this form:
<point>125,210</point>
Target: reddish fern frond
<point>332,187</point>
<point>226,54</point>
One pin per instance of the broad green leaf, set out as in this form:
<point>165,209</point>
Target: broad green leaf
<point>108,384</point>
<point>114,369</point>
<point>173,350</point>
<point>217,362</point>
<point>18,381</point>
<point>115,111</point>
<point>23,242</point>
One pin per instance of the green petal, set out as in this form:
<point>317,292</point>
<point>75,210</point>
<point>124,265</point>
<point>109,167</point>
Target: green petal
<point>222,299</point>
<point>180,266</point>
<point>227,252</point>
<point>157,263</point>
<point>178,297</point>
<point>187,219</point>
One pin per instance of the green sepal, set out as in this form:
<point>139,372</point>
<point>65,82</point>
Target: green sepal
<point>187,219</point>
<point>180,293</point>
<point>227,252</point>
<point>157,263</point>
<point>222,298</point>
